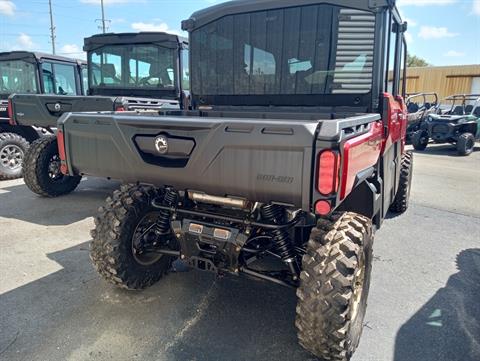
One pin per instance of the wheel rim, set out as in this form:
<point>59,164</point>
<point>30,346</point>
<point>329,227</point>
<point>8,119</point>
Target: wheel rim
<point>146,234</point>
<point>359,283</point>
<point>54,171</point>
<point>470,144</point>
<point>11,157</point>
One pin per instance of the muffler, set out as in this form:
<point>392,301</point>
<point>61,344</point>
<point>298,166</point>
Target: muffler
<point>218,201</point>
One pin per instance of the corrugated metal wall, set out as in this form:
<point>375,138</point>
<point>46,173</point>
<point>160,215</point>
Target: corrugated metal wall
<point>445,81</point>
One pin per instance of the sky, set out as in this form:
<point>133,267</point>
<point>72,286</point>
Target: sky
<point>443,32</point>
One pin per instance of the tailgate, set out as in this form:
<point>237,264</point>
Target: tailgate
<point>44,110</point>
<point>261,160</point>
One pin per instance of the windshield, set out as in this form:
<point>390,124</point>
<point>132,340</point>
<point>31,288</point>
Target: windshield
<point>17,76</point>
<point>320,49</point>
<point>137,66</point>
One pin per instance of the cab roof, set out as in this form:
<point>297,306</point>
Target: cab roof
<point>38,56</point>
<point>160,38</point>
<point>205,16</point>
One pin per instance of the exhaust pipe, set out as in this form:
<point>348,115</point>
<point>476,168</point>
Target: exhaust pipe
<point>218,201</point>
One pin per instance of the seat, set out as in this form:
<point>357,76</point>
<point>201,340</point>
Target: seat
<point>476,112</point>
<point>413,108</point>
<point>458,110</point>
<point>468,109</point>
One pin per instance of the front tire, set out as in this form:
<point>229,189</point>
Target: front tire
<point>401,201</point>
<point>420,140</point>
<point>12,153</point>
<point>332,296</point>
<point>127,219</point>
<point>465,144</point>
<point>42,170</point>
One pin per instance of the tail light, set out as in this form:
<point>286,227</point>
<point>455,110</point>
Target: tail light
<point>10,113</point>
<point>120,108</point>
<point>328,172</point>
<point>61,152</point>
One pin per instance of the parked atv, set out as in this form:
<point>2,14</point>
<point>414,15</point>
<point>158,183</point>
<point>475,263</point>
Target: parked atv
<point>126,72</point>
<point>289,160</point>
<point>419,107</point>
<point>458,123</point>
<point>31,73</point>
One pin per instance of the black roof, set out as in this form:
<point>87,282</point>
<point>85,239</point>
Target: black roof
<point>215,12</point>
<point>164,39</point>
<point>37,56</point>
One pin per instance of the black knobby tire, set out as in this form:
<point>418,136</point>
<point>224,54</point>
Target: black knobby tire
<point>465,144</point>
<point>111,248</point>
<point>402,198</point>
<point>331,306</point>
<point>420,140</point>
<point>38,174</point>
<point>13,148</point>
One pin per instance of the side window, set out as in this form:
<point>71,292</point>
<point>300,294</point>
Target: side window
<point>65,83</point>
<point>85,79</point>
<point>48,82</point>
<point>185,70</point>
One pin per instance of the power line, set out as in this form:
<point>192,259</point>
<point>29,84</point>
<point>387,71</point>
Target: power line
<point>52,27</point>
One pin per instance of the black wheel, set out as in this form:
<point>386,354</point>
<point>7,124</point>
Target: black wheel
<point>42,170</point>
<point>332,296</point>
<point>125,233</point>
<point>420,140</point>
<point>465,144</point>
<point>401,201</point>
<point>12,152</point>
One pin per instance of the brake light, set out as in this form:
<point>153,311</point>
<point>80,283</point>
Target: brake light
<point>10,113</point>
<point>120,108</point>
<point>61,152</point>
<point>328,172</point>
<point>323,208</point>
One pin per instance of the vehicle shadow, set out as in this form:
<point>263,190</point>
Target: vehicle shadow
<point>72,314</point>
<point>443,150</point>
<point>18,202</point>
<point>447,327</point>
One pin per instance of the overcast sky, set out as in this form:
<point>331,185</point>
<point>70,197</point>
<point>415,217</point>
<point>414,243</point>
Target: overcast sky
<point>444,32</point>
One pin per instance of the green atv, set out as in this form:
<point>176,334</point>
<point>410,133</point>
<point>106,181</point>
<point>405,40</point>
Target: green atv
<point>457,121</point>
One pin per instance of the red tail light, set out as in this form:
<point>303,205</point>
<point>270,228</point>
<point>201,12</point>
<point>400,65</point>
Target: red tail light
<point>328,172</point>
<point>61,152</point>
<point>10,112</point>
<point>120,108</point>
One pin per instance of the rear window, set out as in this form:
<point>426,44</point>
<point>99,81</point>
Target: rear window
<point>320,49</point>
<point>17,76</point>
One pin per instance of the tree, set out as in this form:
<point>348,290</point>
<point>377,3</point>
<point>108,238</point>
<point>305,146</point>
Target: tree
<point>415,61</point>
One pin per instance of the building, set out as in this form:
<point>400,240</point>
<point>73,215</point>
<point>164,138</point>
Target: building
<point>444,80</point>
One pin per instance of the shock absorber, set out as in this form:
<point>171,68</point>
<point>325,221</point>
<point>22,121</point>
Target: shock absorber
<point>283,244</point>
<point>163,221</point>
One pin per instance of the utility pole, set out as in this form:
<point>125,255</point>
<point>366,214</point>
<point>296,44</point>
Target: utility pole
<point>52,27</point>
<point>104,21</point>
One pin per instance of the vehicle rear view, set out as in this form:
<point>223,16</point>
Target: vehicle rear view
<point>30,73</point>
<point>419,107</point>
<point>291,156</point>
<point>457,122</point>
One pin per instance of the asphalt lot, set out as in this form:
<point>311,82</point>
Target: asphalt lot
<point>424,302</point>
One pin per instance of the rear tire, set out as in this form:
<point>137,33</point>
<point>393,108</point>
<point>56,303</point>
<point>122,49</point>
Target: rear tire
<point>332,296</point>
<point>42,170</point>
<point>420,140</point>
<point>12,154</point>
<point>112,248</point>
<point>401,201</point>
<point>465,144</point>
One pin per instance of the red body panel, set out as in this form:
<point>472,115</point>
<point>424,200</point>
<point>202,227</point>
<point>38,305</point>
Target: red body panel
<point>359,154</point>
<point>397,121</point>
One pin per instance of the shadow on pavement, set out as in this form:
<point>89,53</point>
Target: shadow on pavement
<point>447,328</point>
<point>443,150</point>
<point>18,202</point>
<point>72,314</point>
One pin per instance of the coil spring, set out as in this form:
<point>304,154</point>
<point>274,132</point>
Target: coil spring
<point>283,243</point>
<point>163,221</point>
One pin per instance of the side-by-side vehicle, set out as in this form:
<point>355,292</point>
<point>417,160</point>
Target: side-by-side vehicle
<point>287,163</point>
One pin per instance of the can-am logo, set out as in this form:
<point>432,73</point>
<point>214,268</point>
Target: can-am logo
<point>161,144</point>
<point>3,109</point>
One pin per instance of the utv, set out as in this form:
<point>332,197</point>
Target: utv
<point>141,71</point>
<point>31,73</point>
<point>457,122</point>
<point>419,107</point>
<point>289,160</point>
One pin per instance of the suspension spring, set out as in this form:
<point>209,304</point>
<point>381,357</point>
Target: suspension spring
<point>163,221</point>
<point>283,244</point>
